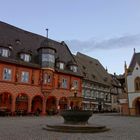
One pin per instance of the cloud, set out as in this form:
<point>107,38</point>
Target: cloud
<point>113,43</point>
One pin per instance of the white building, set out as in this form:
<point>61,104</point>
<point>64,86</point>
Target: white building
<point>132,76</point>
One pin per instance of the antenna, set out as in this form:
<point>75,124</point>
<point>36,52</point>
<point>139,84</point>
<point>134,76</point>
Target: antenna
<point>47,32</point>
<point>134,50</point>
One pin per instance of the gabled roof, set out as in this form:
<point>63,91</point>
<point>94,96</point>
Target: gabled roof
<point>135,59</point>
<point>21,40</point>
<point>92,69</point>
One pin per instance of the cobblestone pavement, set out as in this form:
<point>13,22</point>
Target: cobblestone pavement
<point>30,128</point>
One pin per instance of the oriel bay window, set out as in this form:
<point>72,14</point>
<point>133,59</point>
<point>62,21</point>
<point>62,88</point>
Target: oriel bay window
<point>48,60</point>
<point>7,74</point>
<point>24,76</point>
<point>47,78</point>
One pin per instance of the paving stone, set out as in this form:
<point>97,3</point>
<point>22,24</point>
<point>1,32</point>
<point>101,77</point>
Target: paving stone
<point>30,128</point>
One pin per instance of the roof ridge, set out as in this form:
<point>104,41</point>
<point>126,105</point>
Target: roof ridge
<point>19,29</point>
<point>25,31</point>
<point>79,53</point>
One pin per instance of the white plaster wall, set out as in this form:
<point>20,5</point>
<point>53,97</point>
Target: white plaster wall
<point>130,83</point>
<point>131,78</point>
<point>132,97</point>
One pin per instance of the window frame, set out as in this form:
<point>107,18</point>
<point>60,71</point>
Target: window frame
<point>25,57</point>
<point>4,52</point>
<point>10,70</point>
<point>64,83</point>
<point>25,79</point>
<point>74,68</point>
<point>75,84</point>
<point>137,84</point>
<point>61,65</point>
<point>47,78</point>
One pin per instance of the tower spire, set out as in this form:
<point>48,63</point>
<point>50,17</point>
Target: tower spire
<point>125,65</point>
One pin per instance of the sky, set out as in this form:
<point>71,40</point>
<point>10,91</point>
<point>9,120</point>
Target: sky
<point>107,30</point>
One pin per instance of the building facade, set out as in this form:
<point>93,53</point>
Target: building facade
<point>99,89</point>
<point>132,80</point>
<point>37,74</point>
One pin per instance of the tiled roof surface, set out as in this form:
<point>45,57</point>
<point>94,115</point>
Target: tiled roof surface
<point>24,41</point>
<point>92,69</point>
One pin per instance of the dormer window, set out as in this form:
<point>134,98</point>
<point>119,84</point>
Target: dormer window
<point>60,65</point>
<point>25,57</point>
<point>73,68</point>
<point>5,52</point>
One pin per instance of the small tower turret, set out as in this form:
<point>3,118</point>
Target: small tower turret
<point>47,55</point>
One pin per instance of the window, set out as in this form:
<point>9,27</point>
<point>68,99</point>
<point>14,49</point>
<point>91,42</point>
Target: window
<point>48,58</point>
<point>64,83</point>
<point>102,95</point>
<point>4,52</point>
<point>46,78</point>
<point>75,84</point>
<point>97,94</point>
<point>73,68</point>
<point>137,83</point>
<point>7,74</point>
<point>25,77</point>
<point>49,79</point>
<point>88,93</point>
<point>61,66</point>
<point>25,57</point>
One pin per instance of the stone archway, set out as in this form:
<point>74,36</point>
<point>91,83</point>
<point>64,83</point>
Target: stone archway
<point>37,104</point>
<point>5,101</point>
<point>136,106</point>
<point>51,105</point>
<point>21,103</point>
<point>63,103</point>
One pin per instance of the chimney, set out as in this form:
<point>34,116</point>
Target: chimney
<point>47,30</point>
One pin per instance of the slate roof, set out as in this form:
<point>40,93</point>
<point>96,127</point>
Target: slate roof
<point>24,41</point>
<point>92,69</point>
<point>135,59</point>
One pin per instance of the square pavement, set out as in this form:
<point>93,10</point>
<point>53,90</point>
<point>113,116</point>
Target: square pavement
<point>31,128</point>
